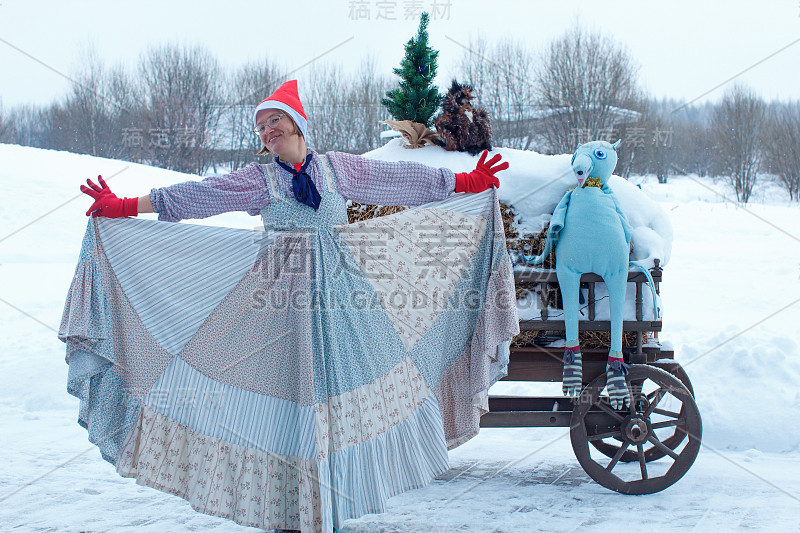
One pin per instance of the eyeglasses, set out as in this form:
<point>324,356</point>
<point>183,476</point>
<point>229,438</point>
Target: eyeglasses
<point>270,123</point>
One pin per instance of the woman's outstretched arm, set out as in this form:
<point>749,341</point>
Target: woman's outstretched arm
<point>145,205</point>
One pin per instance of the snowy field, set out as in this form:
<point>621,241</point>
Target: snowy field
<point>731,296</point>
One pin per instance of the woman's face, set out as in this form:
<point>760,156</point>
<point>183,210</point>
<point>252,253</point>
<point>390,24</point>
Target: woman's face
<point>285,135</point>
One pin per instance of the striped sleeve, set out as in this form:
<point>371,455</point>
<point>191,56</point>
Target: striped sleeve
<point>375,182</point>
<point>243,190</point>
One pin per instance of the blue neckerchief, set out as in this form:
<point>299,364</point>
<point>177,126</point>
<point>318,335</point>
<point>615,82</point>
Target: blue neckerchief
<point>304,189</point>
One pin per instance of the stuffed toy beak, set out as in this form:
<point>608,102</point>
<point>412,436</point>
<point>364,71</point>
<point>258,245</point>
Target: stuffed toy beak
<point>582,166</point>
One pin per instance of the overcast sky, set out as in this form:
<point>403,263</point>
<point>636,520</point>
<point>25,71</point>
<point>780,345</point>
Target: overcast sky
<point>685,47</point>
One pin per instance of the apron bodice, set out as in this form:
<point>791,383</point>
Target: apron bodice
<point>285,213</point>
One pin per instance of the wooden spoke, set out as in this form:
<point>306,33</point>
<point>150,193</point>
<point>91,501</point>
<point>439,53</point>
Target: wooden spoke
<point>617,456</point>
<point>656,397</point>
<point>660,445</point>
<point>666,413</point>
<point>642,460</point>
<point>667,424</point>
<point>606,435</point>
<point>609,410</point>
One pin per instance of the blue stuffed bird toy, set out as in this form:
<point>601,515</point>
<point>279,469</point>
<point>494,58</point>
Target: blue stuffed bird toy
<point>592,234</point>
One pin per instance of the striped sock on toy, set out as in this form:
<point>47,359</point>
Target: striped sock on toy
<point>616,370</point>
<point>572,382</point>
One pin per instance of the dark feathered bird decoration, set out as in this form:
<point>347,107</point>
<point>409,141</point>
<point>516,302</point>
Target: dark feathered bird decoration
<point>463,128</point>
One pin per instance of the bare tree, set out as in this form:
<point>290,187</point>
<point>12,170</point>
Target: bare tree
<point>6,130</point>
<point>587,83</point>
<point>325,101</point>
<point>737,128</point>
<point>693,143</point>
<point>475,67</point>
<point>181,102</point>
<point>783,148</point>
<point>693,147</point>
<point>86,111</point>
<point>29,126</point>
<point>125,108</point>
<point>245,88</point>
<point>89,118</point>
<point>649,146</point>
<point>344,109</point>
<point>367,87</point>
<point>502,76</point>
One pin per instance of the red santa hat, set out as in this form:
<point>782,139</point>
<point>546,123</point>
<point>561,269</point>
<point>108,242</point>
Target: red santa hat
<point>285,98</point>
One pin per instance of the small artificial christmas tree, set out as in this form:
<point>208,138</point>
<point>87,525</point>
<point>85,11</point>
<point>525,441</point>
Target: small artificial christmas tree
<point>417,99</point>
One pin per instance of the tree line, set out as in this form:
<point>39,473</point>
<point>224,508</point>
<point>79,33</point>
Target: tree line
<point>585,86</point>
<point>180,109</point>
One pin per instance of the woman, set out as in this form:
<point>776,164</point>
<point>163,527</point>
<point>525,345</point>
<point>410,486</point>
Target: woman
<point>341,361</point>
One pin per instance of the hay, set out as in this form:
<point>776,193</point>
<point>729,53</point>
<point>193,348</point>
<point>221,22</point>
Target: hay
<point>360,212</point>
<point>528,243</point>
<point>525,338</point>
<point>602,339</point>
<point>589,340</point>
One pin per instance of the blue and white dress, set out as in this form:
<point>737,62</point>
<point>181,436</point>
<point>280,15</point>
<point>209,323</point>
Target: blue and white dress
<point>299,376</point>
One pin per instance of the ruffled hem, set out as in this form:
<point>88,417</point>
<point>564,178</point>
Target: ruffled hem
<point>483,363</point>
<point>496,327</point>
<point>106,409</point>
<point>85,315</point>
<point>263,489</point>
<point>249,486</point>
<point>407,456</point>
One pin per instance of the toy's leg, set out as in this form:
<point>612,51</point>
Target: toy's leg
<point>572,382</point>
<point>616,369</point>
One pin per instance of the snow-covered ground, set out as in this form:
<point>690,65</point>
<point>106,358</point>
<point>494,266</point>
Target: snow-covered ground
<point>731,296</point>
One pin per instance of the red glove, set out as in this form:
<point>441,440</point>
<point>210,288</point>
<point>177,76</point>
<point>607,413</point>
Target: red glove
<point>106,204</point>
<point>482,177</point>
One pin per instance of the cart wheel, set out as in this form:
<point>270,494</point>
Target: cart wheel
<point>660,403</point>
<point>651,452</point>
<point>676,370</point>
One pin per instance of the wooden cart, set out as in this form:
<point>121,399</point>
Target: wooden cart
<point>640,450</point>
